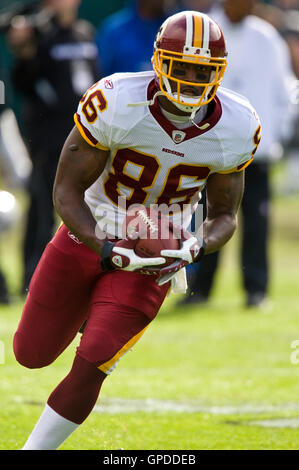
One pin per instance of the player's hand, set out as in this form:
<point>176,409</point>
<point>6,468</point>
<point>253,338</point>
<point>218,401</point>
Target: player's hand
<point>121,255</point>
<point>191,251</point>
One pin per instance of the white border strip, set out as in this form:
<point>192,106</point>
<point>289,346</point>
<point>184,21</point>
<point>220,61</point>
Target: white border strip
<point>206,32</point>
<point>189,28</point>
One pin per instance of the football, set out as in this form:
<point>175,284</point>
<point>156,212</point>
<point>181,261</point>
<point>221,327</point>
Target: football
<point>152,232</point>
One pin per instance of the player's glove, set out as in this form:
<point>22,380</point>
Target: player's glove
<point>191,251</point>
<point>121,255</point>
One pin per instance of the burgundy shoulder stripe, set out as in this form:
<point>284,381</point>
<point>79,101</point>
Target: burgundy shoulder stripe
<point>86,131</point>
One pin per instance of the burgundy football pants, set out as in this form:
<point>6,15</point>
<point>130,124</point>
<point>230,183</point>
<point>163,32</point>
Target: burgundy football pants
<point>68,288</point>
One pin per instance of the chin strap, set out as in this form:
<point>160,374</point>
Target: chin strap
<point>192,116</point>
<point>146,103</point>
<point>152,102</point>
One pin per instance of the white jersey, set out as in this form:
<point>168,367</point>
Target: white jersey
<point>152,162</point>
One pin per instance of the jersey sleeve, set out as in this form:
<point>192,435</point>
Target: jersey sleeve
<point>245,144</point>
<point>94,115</point>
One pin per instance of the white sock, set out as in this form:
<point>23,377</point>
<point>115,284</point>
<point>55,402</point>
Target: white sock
<point>50,431</point>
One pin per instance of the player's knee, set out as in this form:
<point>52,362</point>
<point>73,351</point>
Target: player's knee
<point>95,351</point>
<point>28,355</point>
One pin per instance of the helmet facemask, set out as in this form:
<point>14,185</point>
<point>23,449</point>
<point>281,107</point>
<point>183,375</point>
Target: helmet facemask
<point>163,63</point>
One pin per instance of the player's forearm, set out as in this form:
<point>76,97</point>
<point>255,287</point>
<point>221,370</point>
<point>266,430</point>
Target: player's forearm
<point>77,216</point>
<point>224,196</point>
<point>80,165</point>
<point>217,231</point>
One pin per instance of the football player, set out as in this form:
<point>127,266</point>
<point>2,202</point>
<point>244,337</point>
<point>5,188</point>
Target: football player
<point>149,138</point>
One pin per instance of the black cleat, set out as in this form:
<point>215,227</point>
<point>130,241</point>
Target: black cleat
<point>257,299</point>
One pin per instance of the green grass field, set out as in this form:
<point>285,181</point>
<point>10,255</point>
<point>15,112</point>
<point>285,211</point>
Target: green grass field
<point>215,377</point>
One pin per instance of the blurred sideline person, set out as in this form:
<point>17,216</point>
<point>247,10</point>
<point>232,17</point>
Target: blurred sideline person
<point>204,6</point>
<point>147,138</point>
<point>9,216</point>
<point>56,60</point>
<point>125,39</point>
<point>259,68</point>
<point>7,169</point>
<point>284,16</point>
<point>291,182</point>
<point>15,168</point>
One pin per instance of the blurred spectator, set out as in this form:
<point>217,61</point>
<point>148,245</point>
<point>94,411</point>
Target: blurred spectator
<point>259,69</point>
<point>286,4</point>
<point>291,182</point>
<point>197,5</point>
<point>270,13</point>
<point>56,61</point>
<point>15,167</point>
<point>4,297</point>
<point>284,16</point>
<point>292,38</point>
<point>15,162</point>
<point>125,39</point>
<point>9,216</point>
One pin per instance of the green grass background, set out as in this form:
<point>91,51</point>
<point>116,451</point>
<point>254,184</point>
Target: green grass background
<point>214,356</point>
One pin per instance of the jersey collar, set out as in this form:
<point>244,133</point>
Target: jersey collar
<point>213,116</point>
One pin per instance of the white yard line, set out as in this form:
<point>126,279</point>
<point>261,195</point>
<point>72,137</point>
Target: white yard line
<point>292,423</point>
<point>150,405</point>
<point>114,406</point>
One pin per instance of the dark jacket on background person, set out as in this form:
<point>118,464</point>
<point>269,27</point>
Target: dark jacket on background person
<point>65,65</point>
<point>52,83</point>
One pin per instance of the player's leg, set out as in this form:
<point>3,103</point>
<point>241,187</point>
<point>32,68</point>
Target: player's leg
<point>79,389</point>
<point>123,306</point>
<point>57,302</point>
<point>111,330</point>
